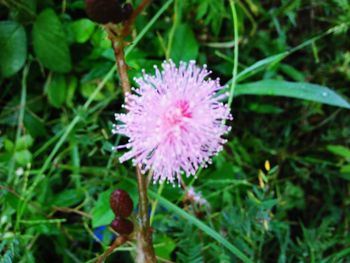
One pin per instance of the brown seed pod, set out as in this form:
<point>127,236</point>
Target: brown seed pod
<point>108,11</point>
<point>121,203</point>
<point>122,226</point>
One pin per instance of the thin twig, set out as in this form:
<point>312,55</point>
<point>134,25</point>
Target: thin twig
<point>71,210</point>
<point>117,242</point>
<point>118,48</point>
<point>128,25</point>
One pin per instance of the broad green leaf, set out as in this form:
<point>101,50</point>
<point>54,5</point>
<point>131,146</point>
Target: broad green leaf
<point>9,145</point>
<point>299,90</point>
<point>205,228</point>
<point>202,10</point>
<point>99,39</point>
<point>24,142</point>
<point>23,157</point>
<point>339,150</point>
<point>83,29</point>
<point>165,248</point>
<point>56,90</point>
<point>13,48</point>
<point>345,170</point>
<point>50,43</point>
<point>185,46</point>
<point>102,214</point>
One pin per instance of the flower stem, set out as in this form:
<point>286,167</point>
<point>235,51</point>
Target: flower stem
<point>145,250</point>
<point>118,47</point>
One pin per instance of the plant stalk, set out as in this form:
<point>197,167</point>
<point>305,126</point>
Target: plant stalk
<point>145,250</point>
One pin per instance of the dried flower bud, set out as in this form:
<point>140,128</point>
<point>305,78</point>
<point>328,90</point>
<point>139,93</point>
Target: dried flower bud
<point>107,11</point>
<point>122,226</point>
<point>121,203</point>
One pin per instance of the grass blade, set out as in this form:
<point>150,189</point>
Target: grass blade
<point>260,65</point>
<point>299,90</point>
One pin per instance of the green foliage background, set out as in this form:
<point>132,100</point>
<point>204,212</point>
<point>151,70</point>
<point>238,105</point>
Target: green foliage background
<point>59,91</point>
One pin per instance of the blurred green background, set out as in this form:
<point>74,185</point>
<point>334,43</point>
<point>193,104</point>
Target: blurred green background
<point>280,190</point>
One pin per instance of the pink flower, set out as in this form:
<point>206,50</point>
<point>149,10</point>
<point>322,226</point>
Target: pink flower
<point>175,121</point>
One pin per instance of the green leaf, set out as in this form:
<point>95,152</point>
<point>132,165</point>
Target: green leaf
<point>292,73</point>
<point>68,198</point>
<point>34,124</point>
<point>102,213</point>
<point>57,90</point>
<point>345,170</point>
<point>185,46</point>
<point>12,200</point>
<point>260,65</point>
<point>9,145</point>
<point>165,248</point>
<point>23,157</point>
<point>50,43</point>
<point>339,150</point>
<point>13,48</point>
<point>264,108</point>
<point>83,29</point>
<point>99,39</point>
<point>24,142</point>
<point>202,10</point>
<point>299,90</point>
<point>87,89</point>
<point>205,228</point>
<point>72,85</point>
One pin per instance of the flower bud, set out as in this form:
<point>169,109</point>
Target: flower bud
<point>122,226</point>
<point>107,11</point>
<point>121,203</point>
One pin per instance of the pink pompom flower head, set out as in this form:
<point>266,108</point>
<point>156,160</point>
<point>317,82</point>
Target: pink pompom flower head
<point>175,121</point>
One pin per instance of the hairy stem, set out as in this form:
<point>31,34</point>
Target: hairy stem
<point>121,65</point>
<point>145,250</point>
